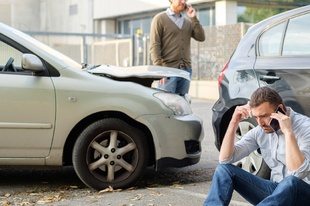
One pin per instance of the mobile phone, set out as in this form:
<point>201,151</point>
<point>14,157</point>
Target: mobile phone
<point>274,124</point>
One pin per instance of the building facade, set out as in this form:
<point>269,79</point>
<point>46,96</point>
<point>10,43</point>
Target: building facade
<point>225,22</point>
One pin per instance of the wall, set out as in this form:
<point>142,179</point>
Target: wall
<point>20,14</point>
<point>209,57</point>
<point>55,16</point>
<point>109,9</point>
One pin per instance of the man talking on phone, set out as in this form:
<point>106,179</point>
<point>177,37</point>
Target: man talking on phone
<point>171,35</point>
<point>286,150</point>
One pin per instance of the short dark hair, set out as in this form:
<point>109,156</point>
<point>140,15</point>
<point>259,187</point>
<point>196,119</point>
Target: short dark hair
<point>266,94</point>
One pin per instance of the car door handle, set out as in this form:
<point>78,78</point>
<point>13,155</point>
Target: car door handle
<point>269,78</point>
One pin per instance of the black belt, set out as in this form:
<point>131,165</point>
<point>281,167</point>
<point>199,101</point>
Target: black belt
<point>182,66</point>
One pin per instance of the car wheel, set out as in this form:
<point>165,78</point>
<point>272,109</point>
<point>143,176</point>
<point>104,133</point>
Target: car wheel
<point>110,152</point>
<point>253,163</point>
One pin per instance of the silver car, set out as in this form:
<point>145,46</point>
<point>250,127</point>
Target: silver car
<point>108,122</point>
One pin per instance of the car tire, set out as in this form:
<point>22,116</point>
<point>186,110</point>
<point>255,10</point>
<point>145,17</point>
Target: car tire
<point>110,152</point>
<point>253,163</point>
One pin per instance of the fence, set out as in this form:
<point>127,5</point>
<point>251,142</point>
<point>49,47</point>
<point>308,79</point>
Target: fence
<point>208,57</point>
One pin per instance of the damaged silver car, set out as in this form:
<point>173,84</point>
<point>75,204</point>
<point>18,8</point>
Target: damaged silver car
<point>108,122</point>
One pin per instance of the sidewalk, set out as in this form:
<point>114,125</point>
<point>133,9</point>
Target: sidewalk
<point>204,89</point>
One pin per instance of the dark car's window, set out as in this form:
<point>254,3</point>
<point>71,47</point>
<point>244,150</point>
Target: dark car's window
<point>270,41</point>
<point>297,37</point>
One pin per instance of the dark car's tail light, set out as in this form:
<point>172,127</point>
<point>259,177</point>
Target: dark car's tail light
<point>223,73</point>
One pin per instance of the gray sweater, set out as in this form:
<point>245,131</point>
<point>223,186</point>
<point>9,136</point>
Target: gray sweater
<point>169,44</point>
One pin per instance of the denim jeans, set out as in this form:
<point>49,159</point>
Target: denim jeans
<point>177,85</point>
<point>227,178</point>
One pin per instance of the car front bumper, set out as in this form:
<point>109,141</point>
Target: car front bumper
<point>177,139</point>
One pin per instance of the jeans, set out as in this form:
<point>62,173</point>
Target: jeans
<point>227,178</point>
<point>177,85</point>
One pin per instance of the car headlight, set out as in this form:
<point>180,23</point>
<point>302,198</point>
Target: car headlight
<point>176,103</point>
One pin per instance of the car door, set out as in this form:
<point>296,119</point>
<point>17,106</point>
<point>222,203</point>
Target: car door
<point>27,107</point>
<point>283,61</point>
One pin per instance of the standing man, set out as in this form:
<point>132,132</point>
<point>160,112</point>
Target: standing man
<point>170,42</point>
<point>286,151</point>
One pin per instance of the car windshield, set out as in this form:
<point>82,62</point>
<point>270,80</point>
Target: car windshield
<point>50,50</point>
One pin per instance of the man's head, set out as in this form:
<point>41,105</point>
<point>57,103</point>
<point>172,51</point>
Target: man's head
<point>177,6</point>
<point>263,102</point>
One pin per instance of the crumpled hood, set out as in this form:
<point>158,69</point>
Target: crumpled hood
<point>144,75</point>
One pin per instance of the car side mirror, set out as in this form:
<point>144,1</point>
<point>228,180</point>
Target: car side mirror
<point>32,63</point>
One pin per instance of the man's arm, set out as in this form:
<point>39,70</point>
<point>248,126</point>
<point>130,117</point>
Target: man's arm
<point>198,33</point>
<point>294,157</point>
<point>156,41</point>
<point>228,144</point>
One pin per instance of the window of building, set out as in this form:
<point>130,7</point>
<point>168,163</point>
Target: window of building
<point>131,26</point>
<point>297,37</point>
<point>255,15</point>
<point>270,41</point>
<point>146,25</point>
<point>73,10</point>
<point>119,27</point>
<point>127,27</point>
<point>204,16</point>
<point>136,25</point>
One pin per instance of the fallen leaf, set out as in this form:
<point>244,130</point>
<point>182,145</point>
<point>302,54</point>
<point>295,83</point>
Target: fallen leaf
<point>7,195</point>
<point>156,194</point>
<point>74,187</point>
<point>110,189</point>
<point>41,202</point>
<point>94,196</point>
<point>137,197</point>
<point>150,188</point>
<point>33,194</point>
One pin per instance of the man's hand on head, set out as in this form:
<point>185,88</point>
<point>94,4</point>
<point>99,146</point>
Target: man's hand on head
<point>241,113</point>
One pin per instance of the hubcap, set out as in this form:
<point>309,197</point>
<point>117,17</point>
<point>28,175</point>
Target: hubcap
<point>253,162</point>
<point>112,156</point>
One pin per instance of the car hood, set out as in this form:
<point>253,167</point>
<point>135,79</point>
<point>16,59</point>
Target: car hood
<point>144,75</point>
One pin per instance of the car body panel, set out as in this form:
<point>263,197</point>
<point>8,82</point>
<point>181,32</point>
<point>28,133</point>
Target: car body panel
<point>250,67</point>
<point>246,67</point>
<point>190,125</point>
<point>42,112</point>
<point>27,115</point>
<point>146,72</point>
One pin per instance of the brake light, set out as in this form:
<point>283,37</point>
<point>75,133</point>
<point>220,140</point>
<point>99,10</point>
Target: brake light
<point>222,74</point>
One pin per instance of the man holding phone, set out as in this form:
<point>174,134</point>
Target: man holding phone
<point>170,39</point>
<point>286,150</point>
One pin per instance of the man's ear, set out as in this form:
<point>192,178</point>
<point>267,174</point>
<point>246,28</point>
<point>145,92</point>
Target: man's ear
<point>281,106</point>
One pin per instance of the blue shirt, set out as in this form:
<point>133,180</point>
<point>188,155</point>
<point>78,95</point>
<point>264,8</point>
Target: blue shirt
<point>272,148</point>
<point>178,19</point>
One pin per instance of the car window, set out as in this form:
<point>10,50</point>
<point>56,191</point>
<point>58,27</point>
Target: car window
<point>297,37</point>
<point>270,41</point>
<point>6,52</point>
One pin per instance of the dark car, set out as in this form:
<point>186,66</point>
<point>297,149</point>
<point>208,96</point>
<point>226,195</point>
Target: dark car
<point>274,53</point>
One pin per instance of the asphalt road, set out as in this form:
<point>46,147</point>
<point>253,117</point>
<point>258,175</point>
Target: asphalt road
<point>187,186</point>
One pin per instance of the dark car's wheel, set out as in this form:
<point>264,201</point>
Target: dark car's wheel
<point>110,152</point>
<point>253,163</point>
